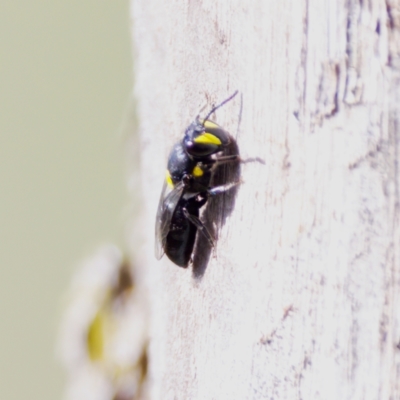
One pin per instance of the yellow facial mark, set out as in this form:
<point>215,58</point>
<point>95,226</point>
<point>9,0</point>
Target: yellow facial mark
<point>168,179</point>
<point>210,124</point>
<point>207,138</point>
<point>197,171</point>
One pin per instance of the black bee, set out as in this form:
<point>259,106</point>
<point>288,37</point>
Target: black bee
<point>187,188</point>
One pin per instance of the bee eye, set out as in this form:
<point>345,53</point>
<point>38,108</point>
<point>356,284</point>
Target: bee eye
<point>202,150</point>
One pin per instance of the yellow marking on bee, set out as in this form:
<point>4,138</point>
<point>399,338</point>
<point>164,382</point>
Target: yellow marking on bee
<point>169,179</point>
<point>197,171</point>
<point>207,138</point>
<point>210,124</point>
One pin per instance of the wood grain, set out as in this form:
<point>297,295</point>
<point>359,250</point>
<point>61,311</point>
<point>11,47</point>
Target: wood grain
<point>300,297</point>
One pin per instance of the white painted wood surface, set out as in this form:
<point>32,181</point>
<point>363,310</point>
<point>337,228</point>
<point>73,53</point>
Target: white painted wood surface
<point>301,297</point>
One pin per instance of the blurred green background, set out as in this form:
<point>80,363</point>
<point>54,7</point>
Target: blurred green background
<point>65,79</point>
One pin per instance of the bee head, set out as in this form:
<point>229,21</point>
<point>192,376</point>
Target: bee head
<point>204,137</point>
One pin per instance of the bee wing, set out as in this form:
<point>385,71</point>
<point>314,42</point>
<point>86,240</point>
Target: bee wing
<point>165,211</point>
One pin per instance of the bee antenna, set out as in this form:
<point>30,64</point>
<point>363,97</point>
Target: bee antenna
<point>215,108</point>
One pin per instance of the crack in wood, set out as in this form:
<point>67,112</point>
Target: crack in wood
<point>353,85</point>
<point>368,156</point>
<point>327,93</point>
<point>267,339</point>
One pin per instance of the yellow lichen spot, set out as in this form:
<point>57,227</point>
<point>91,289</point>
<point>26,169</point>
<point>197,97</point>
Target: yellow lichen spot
<point>207,138</point>
<point>169,179</point>
<point>197,171</point>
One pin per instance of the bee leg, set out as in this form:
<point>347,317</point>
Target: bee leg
<point>226,159</point>
<point>223,188</point>
<point>199,225</point>
<point>221,160</point>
